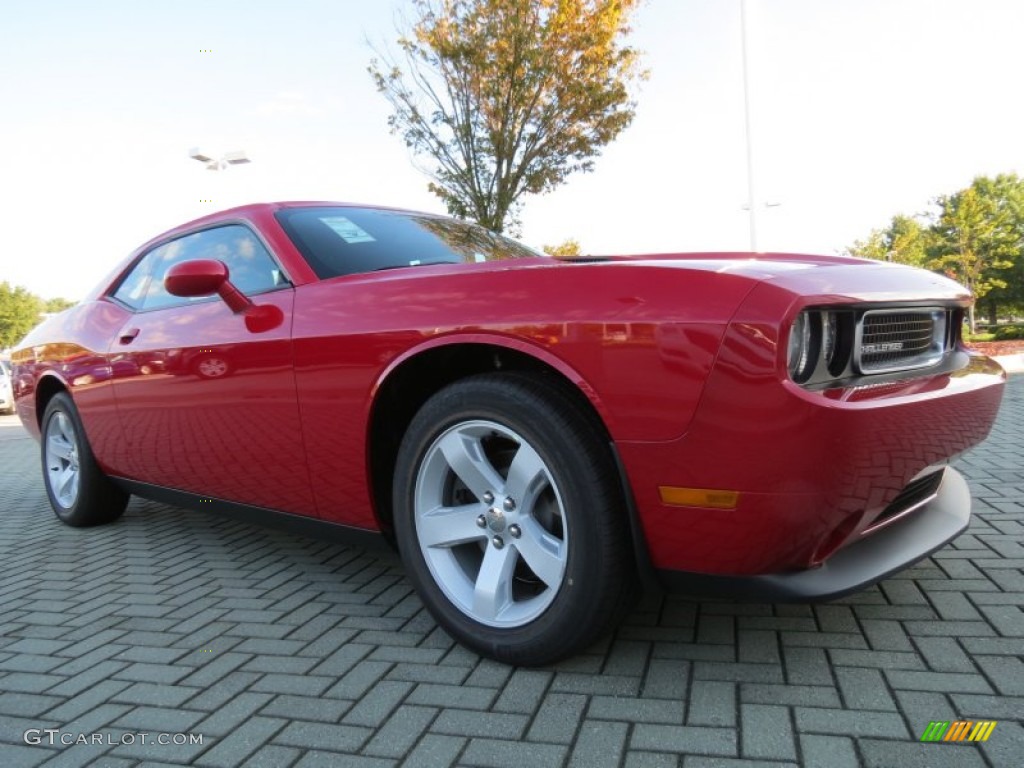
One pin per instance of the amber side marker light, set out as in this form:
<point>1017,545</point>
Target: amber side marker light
<point>698,497</point>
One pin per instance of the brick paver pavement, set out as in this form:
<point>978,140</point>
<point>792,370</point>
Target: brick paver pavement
<point>286,651</point>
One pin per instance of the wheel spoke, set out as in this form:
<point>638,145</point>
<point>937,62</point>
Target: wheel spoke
<point>65,482</point>
<point>57,446</point>
<point>526,476</point>
<point>465,455</point>
<point>492,592</point>
<point>543,552</point>
<point>449,526</point>
<point>66,430</point>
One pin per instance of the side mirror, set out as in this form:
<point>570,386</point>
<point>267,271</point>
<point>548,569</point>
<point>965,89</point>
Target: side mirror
<point>199,277</point>
<point>205,277</point>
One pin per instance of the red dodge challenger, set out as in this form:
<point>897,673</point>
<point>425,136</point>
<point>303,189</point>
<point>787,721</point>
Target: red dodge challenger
<point>536,436</point>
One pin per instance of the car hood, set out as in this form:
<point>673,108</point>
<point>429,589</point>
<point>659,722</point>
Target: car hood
<point>842,278</point>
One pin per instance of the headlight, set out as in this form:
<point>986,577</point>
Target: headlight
<point>801,359</point>
<point>819,345</point>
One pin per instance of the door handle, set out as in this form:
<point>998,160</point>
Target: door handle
<point>129,336</point>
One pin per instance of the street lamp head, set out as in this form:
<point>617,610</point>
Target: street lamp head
<point>238,157</point>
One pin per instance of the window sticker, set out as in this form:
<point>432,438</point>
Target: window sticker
<point>347,230</point>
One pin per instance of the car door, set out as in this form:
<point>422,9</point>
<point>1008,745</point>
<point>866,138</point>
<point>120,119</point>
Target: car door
<point>207,405</point>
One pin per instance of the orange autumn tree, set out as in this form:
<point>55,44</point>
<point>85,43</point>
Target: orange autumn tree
<point>506,98</point>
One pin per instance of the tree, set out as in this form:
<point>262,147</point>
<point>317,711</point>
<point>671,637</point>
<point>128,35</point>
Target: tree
<point>57,305</point>
<point>904,241</point>
<point>19,313</point>
<point>975,235</point>
<point>566,249</point>
<point>507,97</point>
<point>973,240</point>
<point>1006,194</point>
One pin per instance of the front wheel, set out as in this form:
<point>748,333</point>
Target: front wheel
<point>509,517</point>
<point>79,492</point>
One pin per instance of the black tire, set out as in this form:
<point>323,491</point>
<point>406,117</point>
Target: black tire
<point>577,576</point>
<point>91,498</point>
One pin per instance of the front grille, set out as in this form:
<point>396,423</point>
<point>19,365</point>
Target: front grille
<point>898,340</point>
<point>915,494</point>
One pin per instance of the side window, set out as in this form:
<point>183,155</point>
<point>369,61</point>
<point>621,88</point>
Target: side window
<point>251,267</point>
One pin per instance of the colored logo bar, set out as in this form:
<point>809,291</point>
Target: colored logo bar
<point>958,730</point>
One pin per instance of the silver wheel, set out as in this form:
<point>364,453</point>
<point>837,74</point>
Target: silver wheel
<point>490,524</point>
<point>62,467</point>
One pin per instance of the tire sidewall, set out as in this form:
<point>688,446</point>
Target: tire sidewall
<point>568,613</point>
<point>61,404</point>
<point>98,500</point>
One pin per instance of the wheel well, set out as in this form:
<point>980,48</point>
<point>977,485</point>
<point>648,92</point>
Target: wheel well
<point>410,385</point>
<point>47,387</point>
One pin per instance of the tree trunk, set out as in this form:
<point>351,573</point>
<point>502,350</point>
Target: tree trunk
<point>993,313</point>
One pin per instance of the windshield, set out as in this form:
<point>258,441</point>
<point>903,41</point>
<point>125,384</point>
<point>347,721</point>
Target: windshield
<point>345,241</point>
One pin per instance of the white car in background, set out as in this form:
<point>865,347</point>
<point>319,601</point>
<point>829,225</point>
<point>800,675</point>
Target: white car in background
<point>6,389</point>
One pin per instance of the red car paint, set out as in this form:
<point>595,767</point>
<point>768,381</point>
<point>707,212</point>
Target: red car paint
<point>683,358</point>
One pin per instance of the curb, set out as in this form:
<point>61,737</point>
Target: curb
<point>1011,363</point>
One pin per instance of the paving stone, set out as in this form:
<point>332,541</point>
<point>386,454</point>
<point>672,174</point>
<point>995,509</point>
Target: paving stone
<point>435,751</point>
<point>711,702</point>
<point>523,692</point>
<point>790,695</point>
<point>235,747</point>
<point>610,685</point>
<point>491,753</point>
<point>635,710</point>
<point>684,739</point>
<point>849,722</point>
<point>636,758</point>
<point>805,666</point>
<point>402,730</point>
<point>767,732</point>
<point>464,722</point>
<point>558,718</point>
<point>937,681</point>
<point>599,745</point>
<point>864,689</point>
<point>319,759</point>
<point>307,708</point>
<point>452,696</point>
<point>884,754</point>
<point>273,756</point>
<point>156,695</point>
<point>363,676</point>
<point>323,655</point>
<point>828,751</point>
<point>228,717</point>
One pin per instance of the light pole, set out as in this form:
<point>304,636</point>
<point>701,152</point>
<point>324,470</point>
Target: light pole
<point>751,190</point>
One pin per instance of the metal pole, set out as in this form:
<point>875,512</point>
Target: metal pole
<point>751,191</point>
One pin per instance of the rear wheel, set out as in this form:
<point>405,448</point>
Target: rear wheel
<point>80,494</point>
<point>509,518</point>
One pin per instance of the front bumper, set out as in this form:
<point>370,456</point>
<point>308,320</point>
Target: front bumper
<point>854,567</point>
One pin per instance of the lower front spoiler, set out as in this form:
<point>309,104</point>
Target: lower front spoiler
<point>853,567</point>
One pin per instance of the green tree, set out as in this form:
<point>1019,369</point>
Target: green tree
<point>974,241</point>
<point>507,97</point>
<point>904,241</point>
<point>19,313</point>
<point>1006,193</point>
<point>57,305</point>
<point>565,249</point>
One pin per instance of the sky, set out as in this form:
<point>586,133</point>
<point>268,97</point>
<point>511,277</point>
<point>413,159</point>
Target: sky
<point>860,109</point>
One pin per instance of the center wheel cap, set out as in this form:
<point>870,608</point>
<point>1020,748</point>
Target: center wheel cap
<point>496,519</point>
